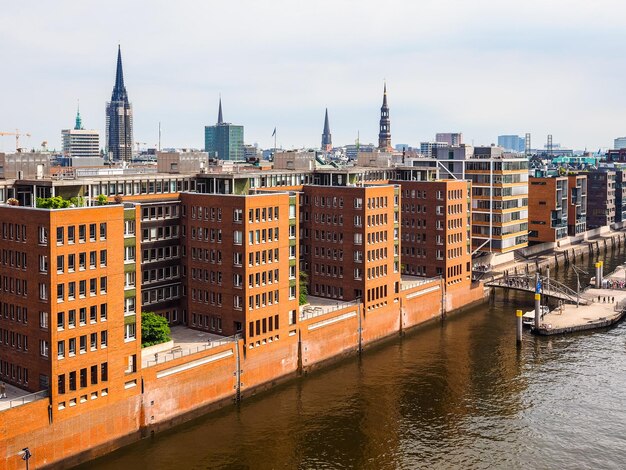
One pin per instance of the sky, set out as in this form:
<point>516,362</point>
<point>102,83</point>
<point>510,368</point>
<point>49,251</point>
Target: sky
<point>479,67</point>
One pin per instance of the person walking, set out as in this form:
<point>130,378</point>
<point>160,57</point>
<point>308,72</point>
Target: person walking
<point>3,390</point>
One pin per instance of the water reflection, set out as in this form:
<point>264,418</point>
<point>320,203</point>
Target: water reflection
<point>452,395</point>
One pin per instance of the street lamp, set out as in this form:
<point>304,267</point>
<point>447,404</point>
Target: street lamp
<point>578,271</point>
<point>26,455</point>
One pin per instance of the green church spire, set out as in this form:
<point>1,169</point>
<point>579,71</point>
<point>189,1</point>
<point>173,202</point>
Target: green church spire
<point>79,121</point>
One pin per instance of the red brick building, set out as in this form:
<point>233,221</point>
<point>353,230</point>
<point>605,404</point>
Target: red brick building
<point>547,208</point>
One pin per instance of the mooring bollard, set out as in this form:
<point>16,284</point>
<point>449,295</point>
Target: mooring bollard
<point>518,314</point>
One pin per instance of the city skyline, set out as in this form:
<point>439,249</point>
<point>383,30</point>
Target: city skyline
<point>486,71</point>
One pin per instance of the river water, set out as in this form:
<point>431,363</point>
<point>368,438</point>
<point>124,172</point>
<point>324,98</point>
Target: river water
<point>455,395</point>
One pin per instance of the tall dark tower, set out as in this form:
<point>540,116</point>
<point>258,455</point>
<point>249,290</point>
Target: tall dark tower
<point>119,119</point>
<point>384,135</point>
<point>327,139</point>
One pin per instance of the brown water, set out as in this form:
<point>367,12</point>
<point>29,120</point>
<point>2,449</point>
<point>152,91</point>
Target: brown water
<point>456,395</point>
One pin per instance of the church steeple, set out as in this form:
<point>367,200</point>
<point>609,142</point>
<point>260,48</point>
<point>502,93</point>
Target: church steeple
<point>384,134</point>
<point>220,118</point>
<point>119,90</point>
<point>327,140</point>
<point>79,121</point>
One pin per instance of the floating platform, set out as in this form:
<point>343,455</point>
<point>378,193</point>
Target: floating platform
<point>605,307</point>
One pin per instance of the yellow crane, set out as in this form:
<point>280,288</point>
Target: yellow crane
<point>17,135</point>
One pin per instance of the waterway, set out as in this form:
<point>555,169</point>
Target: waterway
<point>456,395</point>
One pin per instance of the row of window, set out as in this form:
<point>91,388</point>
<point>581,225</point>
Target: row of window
<point>160,294</point>
<point>162,211</point>
<point>82,344</point>
<point>262,300</point>
<point>151,255</point>
<point>206,296</point>
<point>14,312</point>
<point>82,289</point>
<point>324,290</point>
<point>94,257</point>
<point>74,380</point>
<point>13,339</point>
<point>13,372</point>
<point>161,274</point>
<point>15,232</point>
<point>212,322</point>
<point>14,259</point>
<point>161,233</point>
<point>82,233</point>
<point>11,285</point>
<point>263,326</point>
<point>72,318</point>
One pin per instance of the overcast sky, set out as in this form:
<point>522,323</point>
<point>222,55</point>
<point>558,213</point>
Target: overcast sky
<point>481,67</point>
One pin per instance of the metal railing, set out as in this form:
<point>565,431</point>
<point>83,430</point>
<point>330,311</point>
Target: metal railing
<point>177,352</point>
<point>24,399</point>
<point>549,287</point>
<point>405,285</point>
<point>312,311</point>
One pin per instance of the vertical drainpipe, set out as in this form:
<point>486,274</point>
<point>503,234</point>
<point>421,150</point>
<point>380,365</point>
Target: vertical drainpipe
<point>360,327</point>
<point>237,372</point>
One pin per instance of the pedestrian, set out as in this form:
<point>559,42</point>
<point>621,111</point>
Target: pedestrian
<point>598,299</point>
<point>3,390</point>
<point>612,300</point>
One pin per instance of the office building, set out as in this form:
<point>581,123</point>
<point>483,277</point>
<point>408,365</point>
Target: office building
<point>450,138</point>
<point>499,194</point>
<point>577,204</point>
<point>601,198</point>
<point>512,143</point>
<point>224,140</point>
<point>619,143</point>
<point>428,149</point>
<point>80,142</point>
<point>547,208</point>
<point>119,119</point>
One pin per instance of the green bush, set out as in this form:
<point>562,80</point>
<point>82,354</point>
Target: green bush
<point>56,202</point>
<point>304,289</point>
<point>102,200</point>
<point>154,329</point>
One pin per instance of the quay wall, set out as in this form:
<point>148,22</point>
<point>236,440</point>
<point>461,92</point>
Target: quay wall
<point>177,390</point>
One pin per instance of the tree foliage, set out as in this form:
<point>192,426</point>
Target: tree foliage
<point>55,202</point>
<point>154,329</point>
<point>304,289</point>
<point>102,199</point>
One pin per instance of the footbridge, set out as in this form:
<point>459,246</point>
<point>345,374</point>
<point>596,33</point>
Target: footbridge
<point>549,287</point>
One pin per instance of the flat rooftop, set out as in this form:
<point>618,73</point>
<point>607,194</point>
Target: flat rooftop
<point>16,397</point>
<point>185,341</point>
<point>321,305</point>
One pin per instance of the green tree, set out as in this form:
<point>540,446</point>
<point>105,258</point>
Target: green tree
<point>154,329</point>
<point>304,288</point>
<point>102,199</point>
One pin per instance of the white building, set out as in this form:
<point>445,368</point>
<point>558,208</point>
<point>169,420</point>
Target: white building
<point>79,142</point>
<point>619,143</point>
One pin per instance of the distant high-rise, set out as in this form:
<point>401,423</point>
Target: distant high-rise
<point>619,143</point>
<point>79,142</point>
<point>224,140</point>
<point>119,119</point>
<point>384,134</point>
<point>513,143</point>
<point>429,149</point>
<point>451,138</point>
<point>327,140</point>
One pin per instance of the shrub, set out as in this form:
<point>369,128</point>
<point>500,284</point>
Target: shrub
<point>56,202</point>
<point>154,329</point>
<point>13,202</point>
<point>304,290</point>
<point>102,200</point>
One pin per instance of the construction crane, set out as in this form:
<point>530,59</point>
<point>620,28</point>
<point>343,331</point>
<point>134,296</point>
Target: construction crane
<point>138,144</point>
<point>17,135</point>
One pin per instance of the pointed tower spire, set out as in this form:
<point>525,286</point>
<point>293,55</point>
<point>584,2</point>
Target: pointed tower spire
<point>220,118</point>
<point>327,141</point>
<point>384,134</point>
<point>79,121</point>
<point>119,90</point>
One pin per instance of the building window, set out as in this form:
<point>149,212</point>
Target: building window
<point>43,348</point>
<point>130,331</point>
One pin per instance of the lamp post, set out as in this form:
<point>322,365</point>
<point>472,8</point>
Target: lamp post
<point>26,455</point>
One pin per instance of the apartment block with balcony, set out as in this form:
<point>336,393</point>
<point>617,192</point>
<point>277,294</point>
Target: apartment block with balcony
<point>62,323</point>
<point>160,250</point>
<point>577,204</point>
<point>240,264</point>
<point>601,198</point>
<point>435,230</point>
<point>547,208</point>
